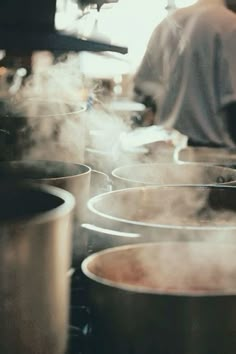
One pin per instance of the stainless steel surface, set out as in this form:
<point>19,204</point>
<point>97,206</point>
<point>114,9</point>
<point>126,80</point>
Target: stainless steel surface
<point>78,179</point>
<point>214,156</point>
<point>163,298</point>
<point>136,175</point>
<point>175,212</point>
<point>35,255</point>
<point>75,178</point>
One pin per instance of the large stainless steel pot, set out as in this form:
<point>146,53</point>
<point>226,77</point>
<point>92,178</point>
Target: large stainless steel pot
<point>214,156</point>
<point>77,179</point>
<point>34,128</point>
<point>136,175</point>
<point>35,255</point>
<point>163,298</point>
<point>176,212</point>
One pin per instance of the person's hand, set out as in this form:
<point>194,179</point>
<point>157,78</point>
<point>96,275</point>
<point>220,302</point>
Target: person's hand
<point>145,119</point>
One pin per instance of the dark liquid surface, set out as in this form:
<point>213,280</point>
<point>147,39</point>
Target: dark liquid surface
<point>24,203</point>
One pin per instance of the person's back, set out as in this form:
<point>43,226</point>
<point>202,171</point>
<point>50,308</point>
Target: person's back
<point>190,70</point>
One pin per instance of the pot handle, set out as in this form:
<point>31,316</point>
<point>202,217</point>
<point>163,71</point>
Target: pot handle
<point>98,238</point>
<point>70,272</point>
<point>97,229</point>
<point>100,183</point>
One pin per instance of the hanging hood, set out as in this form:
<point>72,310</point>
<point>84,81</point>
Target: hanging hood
<point>28,25</point>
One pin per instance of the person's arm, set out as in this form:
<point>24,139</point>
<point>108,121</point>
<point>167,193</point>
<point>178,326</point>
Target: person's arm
<point>147,117</point>
<point>145,99</point>
<point>146,78</point>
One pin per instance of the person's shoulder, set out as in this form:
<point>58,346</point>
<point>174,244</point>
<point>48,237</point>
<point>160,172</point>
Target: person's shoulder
<point>212,20</point>
<point>203,22</point>
<point>205,13</point>
<point>218,17</point>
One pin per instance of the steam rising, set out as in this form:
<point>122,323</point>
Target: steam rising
<point>51,100</point>
<point>170,206</point>
<point>190,268</point>
<point>63,109</point>
<point>67,118</point>
<point>60,82</point>
<point>169,173</point>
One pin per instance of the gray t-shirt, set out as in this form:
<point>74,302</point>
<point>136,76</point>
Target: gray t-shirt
<point>190,69</point>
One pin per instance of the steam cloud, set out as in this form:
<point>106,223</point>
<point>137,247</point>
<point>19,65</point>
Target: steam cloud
<point>54,101</point>
<point>170,267</point>
<point>168,173</point>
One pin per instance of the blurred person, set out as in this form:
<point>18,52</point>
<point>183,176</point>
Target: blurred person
<point>187,77</point>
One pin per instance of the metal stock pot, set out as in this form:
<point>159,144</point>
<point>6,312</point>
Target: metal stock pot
<point>77,179</point>
<point>214,156</point>
<point>169,173</point>
<point>174,212</point>
<point>33,128</point>
<point>35,255</point>
<point>163,298</point>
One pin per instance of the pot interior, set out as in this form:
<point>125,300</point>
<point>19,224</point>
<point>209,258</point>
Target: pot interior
<point>40,170</point>
<point>190,268</point>
<point>169,173</point>
<point>24,202</point>
<point>185,206</point>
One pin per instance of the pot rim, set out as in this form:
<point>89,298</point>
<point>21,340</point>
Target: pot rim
<point>225,150</point>
<point>45,179</point>
<point>226,157</point>
<point>142,289</point>
<point>222,163</point>
<point>115,172</point>
<point>93,209</point>
<point>65,208</point>
<point>82,108</point>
